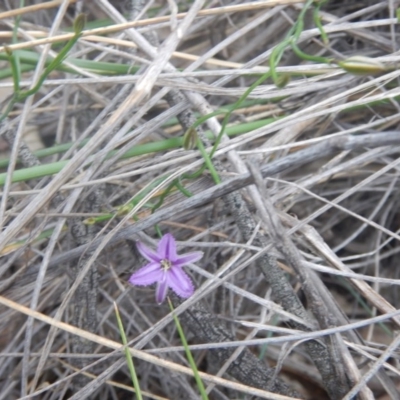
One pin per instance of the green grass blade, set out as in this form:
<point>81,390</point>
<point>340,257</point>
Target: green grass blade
<point>128,356</point>
<point>40,171</point>
<point>189,356</point>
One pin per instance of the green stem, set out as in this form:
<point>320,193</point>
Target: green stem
<point>189,356</point>
<point>317,22</point>
<point>147,148</point>
<point>128,356</point>
<point>308,57</point>
<point>15,68</point>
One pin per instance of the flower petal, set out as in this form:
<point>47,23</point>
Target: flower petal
<point>167,248</point>
<point>162,289</point>
<point>147,253</point>
<point>188,258</point>
<point>147,275</point>
<point>180,282</point>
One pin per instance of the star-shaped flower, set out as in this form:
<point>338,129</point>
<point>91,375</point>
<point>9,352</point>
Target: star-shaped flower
<point>165,268</point>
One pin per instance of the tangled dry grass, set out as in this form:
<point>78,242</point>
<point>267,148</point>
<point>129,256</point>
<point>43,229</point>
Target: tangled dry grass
<point>297,215</point>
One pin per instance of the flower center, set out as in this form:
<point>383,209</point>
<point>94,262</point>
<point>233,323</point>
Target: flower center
<point>165,264</point>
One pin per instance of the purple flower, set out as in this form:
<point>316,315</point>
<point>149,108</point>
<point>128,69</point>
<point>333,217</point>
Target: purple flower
<point>165,268</point>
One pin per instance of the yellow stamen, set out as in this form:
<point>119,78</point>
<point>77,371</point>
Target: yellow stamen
<point>166,264</point>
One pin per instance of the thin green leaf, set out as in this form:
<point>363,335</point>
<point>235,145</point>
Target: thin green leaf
<point>189,356</point>
<point>128,356</point>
